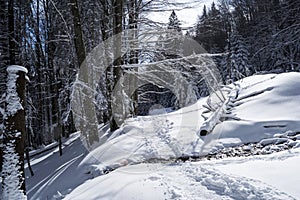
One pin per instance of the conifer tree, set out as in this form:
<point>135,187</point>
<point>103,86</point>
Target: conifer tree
<point>239,56</point>
<point>174,23</point>
<point>210,30</point>
<point>173,41</point>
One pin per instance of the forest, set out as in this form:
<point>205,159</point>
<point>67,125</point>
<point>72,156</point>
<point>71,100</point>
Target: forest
<point>55,39</point>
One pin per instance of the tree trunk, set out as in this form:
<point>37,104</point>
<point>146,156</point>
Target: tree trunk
<point>11,32</point>
<point>133,59</point>
<point>13,175</point>
<point>105,32</point>
<point>4,59</point>
<point>117,71</point>
<point>78,40</point>
<point>28,162</point>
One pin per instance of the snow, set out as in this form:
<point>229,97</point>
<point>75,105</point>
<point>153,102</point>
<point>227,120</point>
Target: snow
<point>10,171</point>
<point>157,111</point>
<point>54,175</point>
<point>12,97</point>
<point>160,136</point>
<point>16,68</point>
<point>279,170</point>
<point>37,159</point>
<point>209,124</point>
<point>195,180</point>
<point>274,109</point>
<point>175,134</point>
<point>143,159</point>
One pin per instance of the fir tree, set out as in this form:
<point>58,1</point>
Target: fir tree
<point>174,36</point>
<point>210,31</point>
<point>174,23</point>
<point>239,57</point>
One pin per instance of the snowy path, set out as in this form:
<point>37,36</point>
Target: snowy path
<point>189,180</point>
<point>229,186</point>
<point>279,169</point>
<point>213,179</point>
<point>51,170</point>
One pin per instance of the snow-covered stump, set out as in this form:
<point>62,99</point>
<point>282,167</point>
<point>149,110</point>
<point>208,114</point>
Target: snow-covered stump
<point>13,177</point>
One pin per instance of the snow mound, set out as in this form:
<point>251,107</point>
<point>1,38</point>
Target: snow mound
<point>266,105</point>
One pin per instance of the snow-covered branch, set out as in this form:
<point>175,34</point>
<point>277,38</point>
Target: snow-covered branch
<point>219,111</point>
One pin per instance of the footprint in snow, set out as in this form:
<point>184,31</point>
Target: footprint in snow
<point>233,186</point>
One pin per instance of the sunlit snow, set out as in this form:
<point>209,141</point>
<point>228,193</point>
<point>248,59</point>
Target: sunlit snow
<point>255,157</point>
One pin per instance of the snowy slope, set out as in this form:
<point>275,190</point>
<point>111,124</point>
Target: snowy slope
<point>266,105</point>
<point>139,161</point>
<point>269,111</point>
<point>56,175</point>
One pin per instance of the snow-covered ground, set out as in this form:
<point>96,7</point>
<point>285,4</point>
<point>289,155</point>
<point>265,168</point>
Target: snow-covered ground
<point>140,160</point>
<point>265,177</point>
<point>56,175</point>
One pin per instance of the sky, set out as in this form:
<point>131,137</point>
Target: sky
<point>187,16</point>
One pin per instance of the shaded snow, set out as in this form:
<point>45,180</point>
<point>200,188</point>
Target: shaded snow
<point>54,175</point>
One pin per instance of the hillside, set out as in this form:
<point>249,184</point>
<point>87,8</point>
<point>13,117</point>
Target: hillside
<point>144,158</point>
